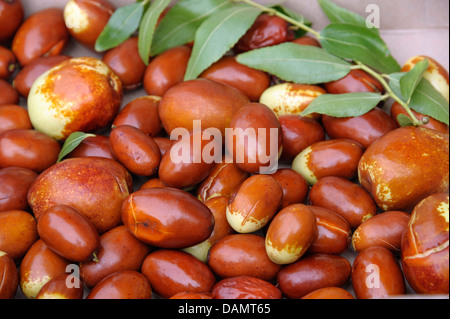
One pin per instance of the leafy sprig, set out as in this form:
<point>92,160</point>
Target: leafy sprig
<point>347,43</point>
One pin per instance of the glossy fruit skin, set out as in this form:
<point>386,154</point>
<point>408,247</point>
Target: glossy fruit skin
<point>267,30</point>
<point>242,255</point>
<point>28,148</point>
<point>329,293</point>
<point>291,98</point>
<point>223,180</point>
<point>28,74</point>
<point>354,82</point>
<point>8,62</point>
<point>135,150</point>
<point>383,229</point>
<point>336,157</point>
<point>307,40</point>
<point>250,81</point>
<point>313,272</point>
<point>299,133</point>
<point>80,94</point>
<point>85,184</point>
<point>256,140</point>
<point>184,164</point>
<point>436,74</point>
<point>68,233</point>
<point>364,129</point>
<point>333,232</point>
<point>39,265</point>
<point>14,185</point>
<point>41,34</point>
<point>376,274</point>
<point>125,284</point>
<point>433,124</point>
<point>425,246</point>
<point>211,102</point>
<point>58,288</point>
<point>15,241</point>
<point>152,183</point>
<point>85,19</point>
<point>8,95</point>
<point>222,228</point>
<point>141,113</point>
<point>93,146</point>
<point>125,61</point>
<point>294,186</point>
<point>167,217</point>
<point>290,234</point>
<point>397,174</point>
<point>254,203</point>
<point>11,16</point>
<point>163,143</point>
<point>166,70</point>
<point>245,287</point>
<point>9,276</point>
<point>173,271</point>
<point>119,250</point>
<point>13,116</point>
<point>344,197</point>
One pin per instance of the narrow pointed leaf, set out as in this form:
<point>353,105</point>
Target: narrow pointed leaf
<point>71,143</point>
<point>179,25</point>
<point>147,28</point>
<point>404,120</point>
<point>337,14</point>
<point>122,24</point>
<point>425,98</point>
<point>343,105</point>
<point>297,63</point>
<point>410,80</point>
<point>217,35</point>
<point>357,43</point>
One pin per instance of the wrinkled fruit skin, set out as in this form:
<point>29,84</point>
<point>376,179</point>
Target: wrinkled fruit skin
<point>80,94</point>
<point>405,166</point>
<point>267,30</point>
<point>425,246</point>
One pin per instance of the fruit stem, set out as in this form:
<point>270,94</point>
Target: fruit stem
<point>281,15</point>
<point>389,91</point>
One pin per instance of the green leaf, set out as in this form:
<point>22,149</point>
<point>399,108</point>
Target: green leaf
<point>404,120</point>
<point>411,79</point>
<point>217,35</point>
<point>179,25</point>
<point>337,14</point>
<point>425,98</point>
<point>121,25</point>
<point>71,143</point>
<point>343,105</point>
<point>357,43</point>
<point>147,28</point>
<point>297,63</point>
<point>293,15</point>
